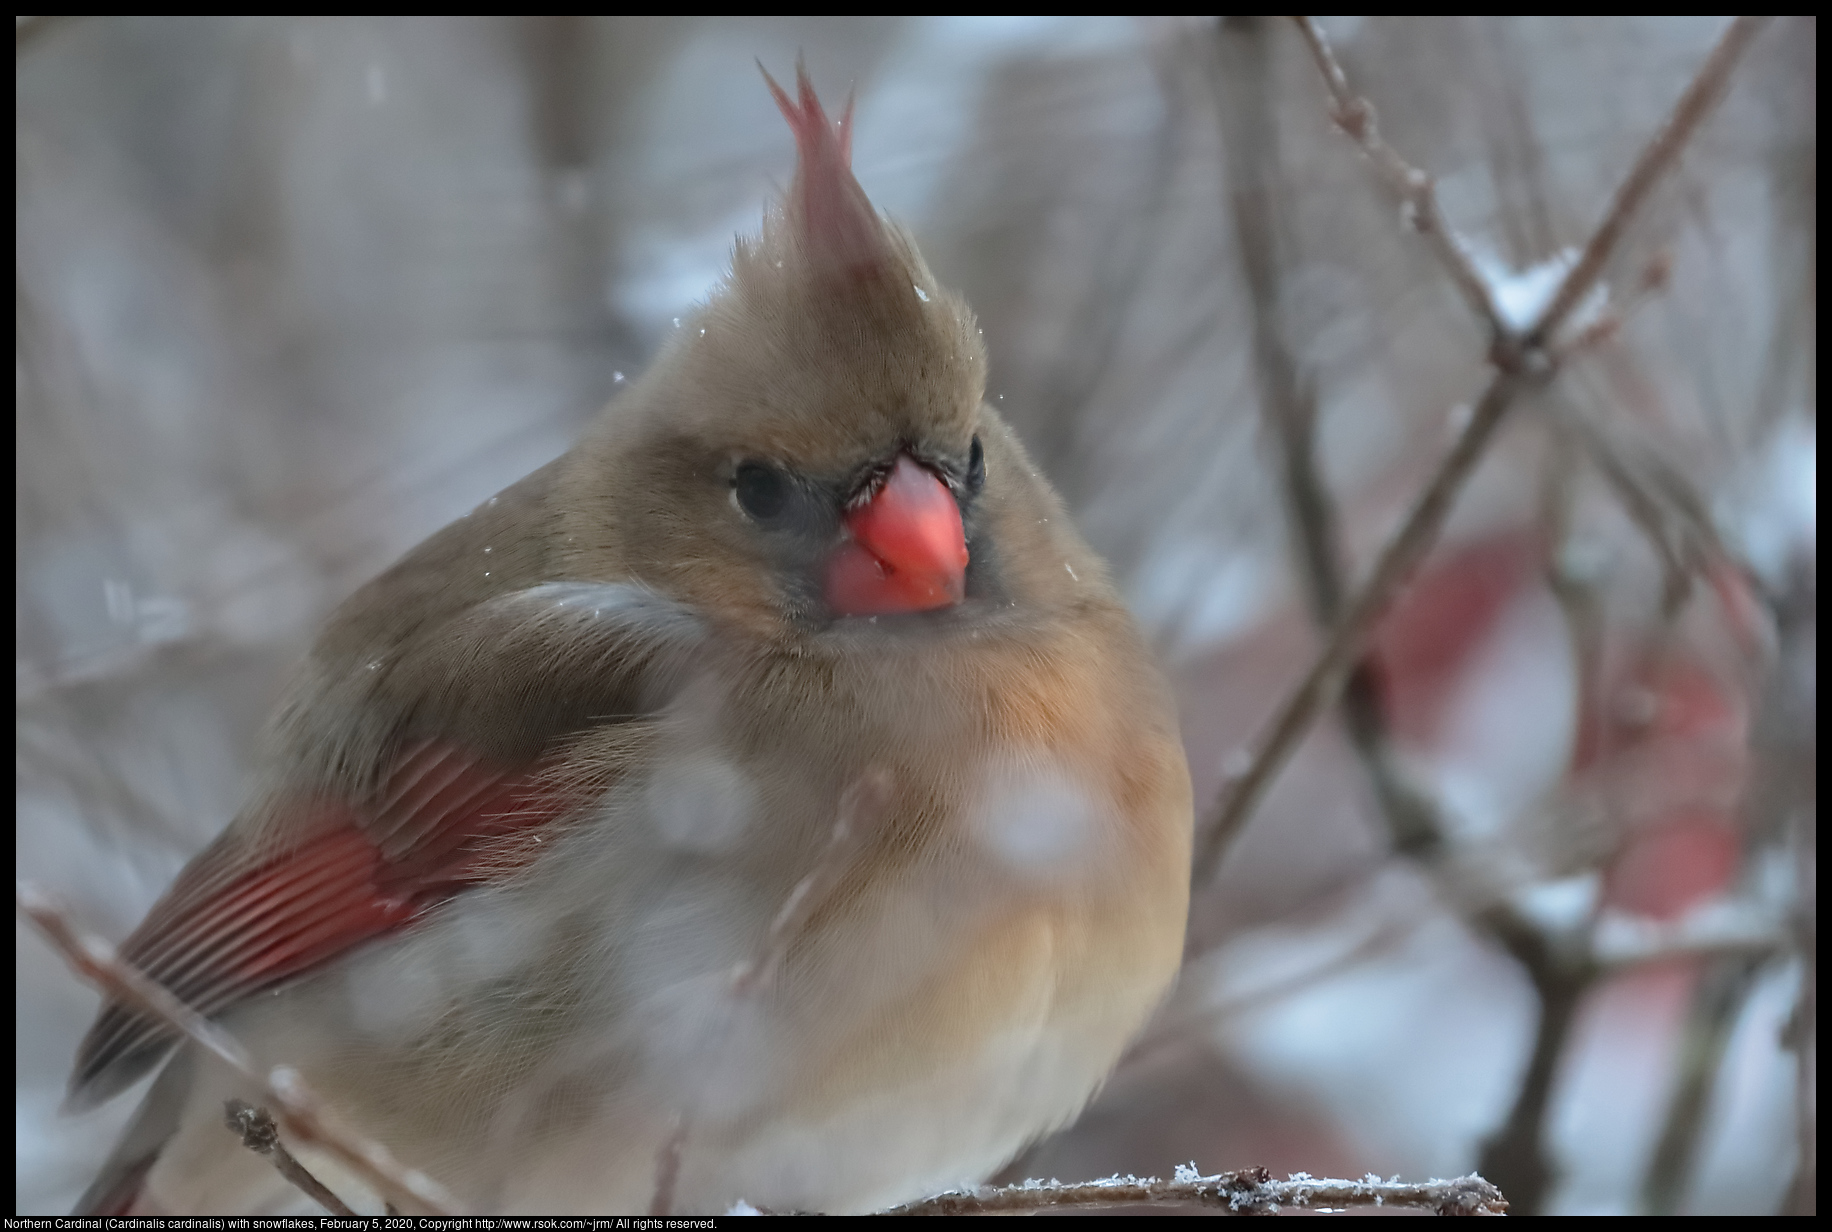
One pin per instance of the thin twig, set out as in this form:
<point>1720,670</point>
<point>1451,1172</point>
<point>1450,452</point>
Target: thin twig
<point>1656,157</point>
<point>1323,682</point>
<point>1354,115</point>
<point>1519,363</point>
<point>1289,406</point>
<point>1251,1191</point>
<point>256,1128</point>
<point>301,1111</point>
<point>1614,957</point>
<point>1716,1002</point>
<point>1678,562</point>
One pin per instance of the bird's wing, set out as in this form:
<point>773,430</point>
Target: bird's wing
<point>471,771</point>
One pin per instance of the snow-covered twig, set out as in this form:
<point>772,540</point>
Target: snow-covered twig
<point>299,1107</point>
<point>1731,931</point>
<point>1251,1191</point>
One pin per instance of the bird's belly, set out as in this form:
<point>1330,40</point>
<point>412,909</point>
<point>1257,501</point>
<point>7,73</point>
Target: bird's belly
<point>853,1120</point>
<point>656,1007</point>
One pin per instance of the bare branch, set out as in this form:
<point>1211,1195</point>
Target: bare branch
<point>256,1128</point>
<point>1656,157</point>
<point>1519,363</point>
<point>1677,561</point>
<point>1716,1002</point>
<point>1289,405</point>
<point>301,1110</point>
<point>1323,682</point>
<point>1248,1192</point>
<point>1416,190</point>
<point>1614,956</point>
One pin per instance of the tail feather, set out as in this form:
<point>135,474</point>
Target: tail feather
<point>117,1189</point>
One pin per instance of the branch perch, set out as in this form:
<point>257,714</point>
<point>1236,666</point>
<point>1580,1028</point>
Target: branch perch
<point>300,1109</point>
<point>1251,1191</point>
<point>256,1128</point>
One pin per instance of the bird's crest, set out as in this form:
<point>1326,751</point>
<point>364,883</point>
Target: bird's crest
<point>834,223</point>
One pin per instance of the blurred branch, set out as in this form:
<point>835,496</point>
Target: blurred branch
<point>1248,1192</point>
<point>1656,157</point>
<point>1572,572</point>
<point>1801,1036</point>
<point>1614,955</point>
<point>1680,560</point>
<point>1416,190</point>
<point>1321,685</point>
<point>1561,968</point>
<point>1520,362</point>
<point>1783,741</point>
<point>1716,1003</point>
<point>301,1111</point>
<point>1288,400</point>
<point>1787,810</point>
<point>256,1128</point>
<point>1560,978</point>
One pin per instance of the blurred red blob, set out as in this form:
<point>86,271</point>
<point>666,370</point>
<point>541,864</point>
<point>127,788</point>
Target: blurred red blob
<point>1425,644</point>
<point>1666,869</point>
<point>1660,740</point>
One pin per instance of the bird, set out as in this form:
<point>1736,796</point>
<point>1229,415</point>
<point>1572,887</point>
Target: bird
<point>770,801</point>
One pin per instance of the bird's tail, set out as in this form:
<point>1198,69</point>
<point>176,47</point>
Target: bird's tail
<point>118,1187</point>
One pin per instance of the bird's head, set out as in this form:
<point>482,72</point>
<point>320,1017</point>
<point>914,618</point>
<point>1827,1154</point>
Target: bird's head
<point>813,445</point>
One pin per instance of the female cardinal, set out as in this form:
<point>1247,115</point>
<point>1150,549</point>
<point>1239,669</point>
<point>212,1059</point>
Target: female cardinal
<point>768,801</point>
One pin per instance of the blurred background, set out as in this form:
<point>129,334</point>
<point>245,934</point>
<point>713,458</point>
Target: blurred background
<point>292,293</point>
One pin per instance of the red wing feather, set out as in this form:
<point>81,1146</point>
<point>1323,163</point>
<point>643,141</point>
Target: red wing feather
<point>231,927</point>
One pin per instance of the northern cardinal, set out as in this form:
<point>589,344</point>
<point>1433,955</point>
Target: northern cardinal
<point>770,800</point>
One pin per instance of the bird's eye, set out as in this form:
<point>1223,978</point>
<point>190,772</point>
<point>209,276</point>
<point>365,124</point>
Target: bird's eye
<point>976,467</point>
<point>763,491</point>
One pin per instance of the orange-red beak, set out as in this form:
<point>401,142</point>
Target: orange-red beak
<point>908,551</point>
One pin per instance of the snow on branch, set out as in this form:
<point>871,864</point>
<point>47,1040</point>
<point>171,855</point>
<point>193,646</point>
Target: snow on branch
<point>1251,1191</point>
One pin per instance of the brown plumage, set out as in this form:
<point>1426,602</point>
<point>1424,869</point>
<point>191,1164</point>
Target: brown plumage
<point>776,774</point>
